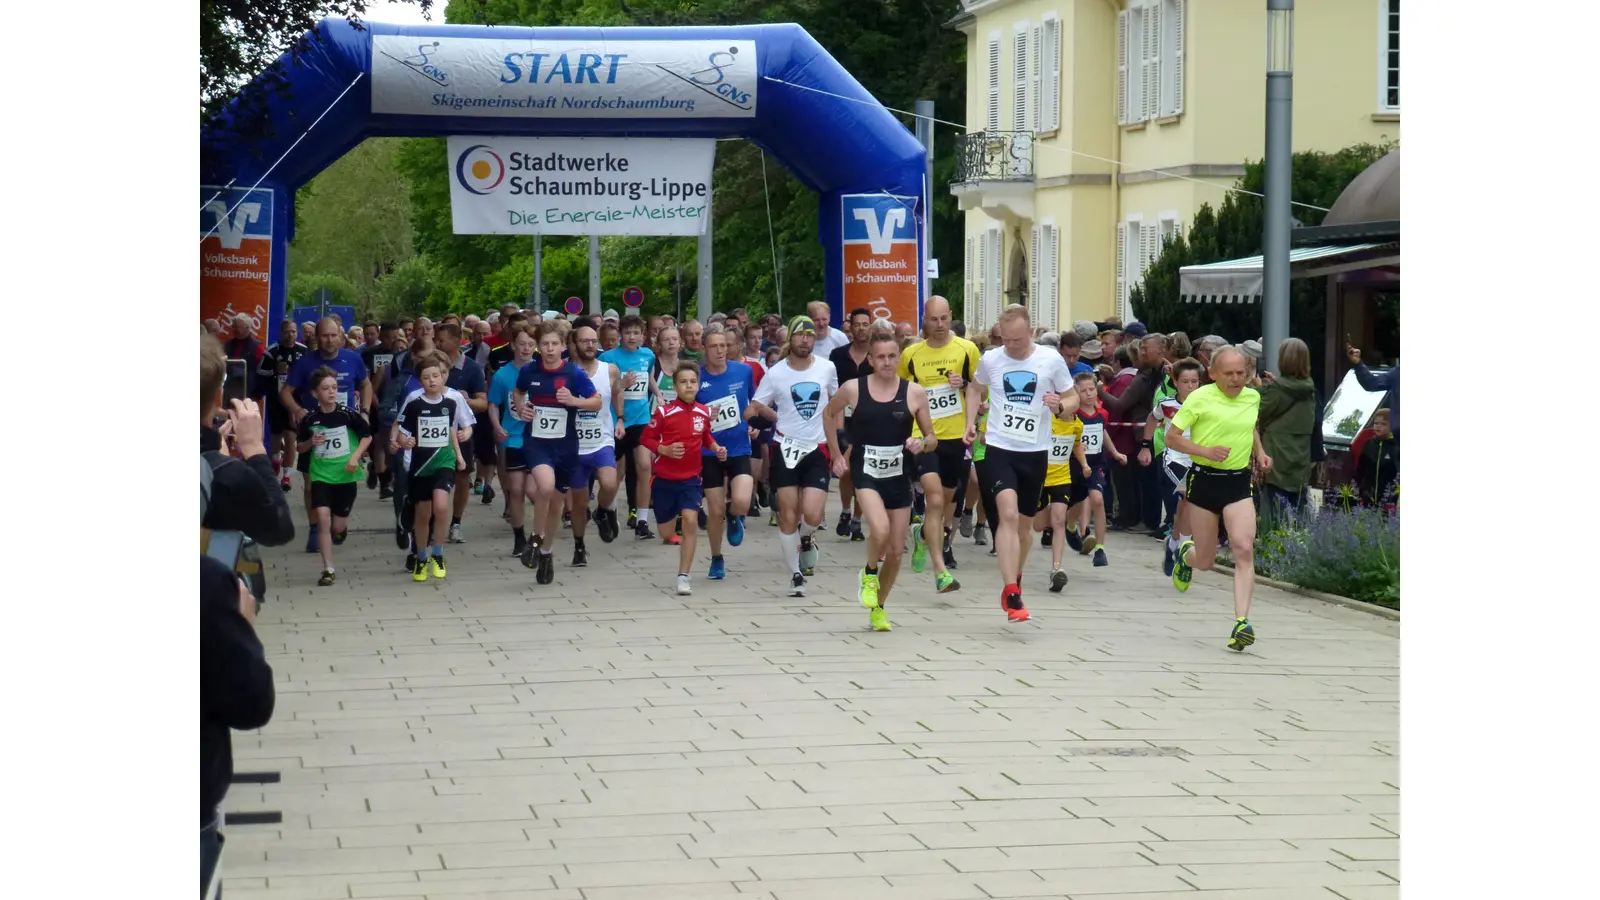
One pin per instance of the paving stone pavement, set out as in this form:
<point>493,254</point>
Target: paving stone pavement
<point>604,739</point>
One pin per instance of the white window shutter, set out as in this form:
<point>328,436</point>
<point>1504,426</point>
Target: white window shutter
<point>1149,246</point>
<point>1019,81</point>
<point>980,274</point>
<point>1122,70</point>
<point>1035,288</point>
<point>1050,297</point>
<point>993,122</point>
<point>1152,61</point>
<point>1122,268</point>
<point>968,273</point>
<point>995,291</point>
<point>1175,61</point>
<point>1036,88</point>
<point>1052,75</point>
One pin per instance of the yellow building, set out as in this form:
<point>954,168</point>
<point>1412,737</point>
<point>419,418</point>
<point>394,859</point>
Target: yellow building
<point>1058,91</point>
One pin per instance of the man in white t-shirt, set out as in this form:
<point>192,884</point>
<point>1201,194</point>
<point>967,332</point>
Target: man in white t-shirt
<point>828,339</point>
<point>1024,384</point>
<point>795,391</point>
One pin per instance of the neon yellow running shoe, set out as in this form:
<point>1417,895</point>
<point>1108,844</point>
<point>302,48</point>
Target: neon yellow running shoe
<point>945,582</point>
<point>879,617</point>
<point>438,566</point>
<point>419,570</point>
<point>919,549</point>
<point>1243,635</point>
<point>1182,572</point>
<point>867,592</point>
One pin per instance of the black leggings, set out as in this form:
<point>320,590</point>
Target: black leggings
<point>991,512</point>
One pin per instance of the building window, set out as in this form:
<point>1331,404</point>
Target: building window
<point>1171,55</point>
<point>1133,66</point>
<point>1389,56</point>
<point>1019,80</point>
<point>992,120</point>
<point>1050,116</point>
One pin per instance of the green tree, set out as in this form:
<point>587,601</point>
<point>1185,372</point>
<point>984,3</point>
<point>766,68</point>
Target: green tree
<point>354,219</point>
<point>303,289</point>
<point>1233,232</point>
<point>412,288</point>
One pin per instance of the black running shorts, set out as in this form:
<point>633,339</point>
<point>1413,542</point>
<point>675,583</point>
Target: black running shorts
<point>716,474</point>
<point>1023,473</point>
<point>1213,490</point>
<point>948,460</point>
<point>811,472</point>
<point>338,498</point>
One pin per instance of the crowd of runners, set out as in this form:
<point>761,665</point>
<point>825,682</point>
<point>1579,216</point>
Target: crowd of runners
<point>933,440</point>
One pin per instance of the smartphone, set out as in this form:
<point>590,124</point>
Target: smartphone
<point>236,382</point>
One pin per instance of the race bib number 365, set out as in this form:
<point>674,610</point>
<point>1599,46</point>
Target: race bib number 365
<point>943,401</point>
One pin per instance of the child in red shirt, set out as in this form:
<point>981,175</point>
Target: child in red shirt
<point>1088,494</point>
<point>676,434</point>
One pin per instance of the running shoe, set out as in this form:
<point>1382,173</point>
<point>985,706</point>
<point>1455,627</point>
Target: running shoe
<point>735,530</point>
<point>950,557</point>
<point>773,519</point>
<point>580,557</point>
<point>641,531</point>
<point>919,549</point>
<point>488,494</point>
<point>1074,539</point>
<point>566,518</point>
<point>684,589</point>
<point>285,484</point>
<point>519,542</point>
<point>1046,535</point>
<point>339,536</point>
<point>455,534</point>
<point>311,539</point>
<point>1182,572</point>
<point>843,529</point>
<point>673,539</point>
<point>1243,635</point>
<point>944,582</point>
<point>477,486</point>
<point>372,481</point>
<point>1058,580</point>
<point>879,619</point>
<point>856,536</point>
<point>633,517</point>
<point>797,585</point>
<point>547,568</point>
<point>326,579</point>
<point>1100,557</point>
<point>980,534</point>
<point>808,556</point>
<point>719,569</point>
<point>1011,602</point>
<point>385,492</point>
<point>867,590</point>
<point>419,569</point>
<point>436,566</point>
<point>966,523</point>
<point>605,520</point>
<point>1166,559</point>
<point>411,561</point>
<point>530,551</point>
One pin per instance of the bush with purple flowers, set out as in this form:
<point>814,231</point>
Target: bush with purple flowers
<point>1353,552</point>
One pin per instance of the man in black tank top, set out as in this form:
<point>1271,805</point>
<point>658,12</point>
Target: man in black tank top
<point>880,463</point>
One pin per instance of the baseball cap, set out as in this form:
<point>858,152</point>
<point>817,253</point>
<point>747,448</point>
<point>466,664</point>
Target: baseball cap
<point>1135,329</point>
<point>1086,329</point>
<point>802,325</point>
<point>1251,349</point>
<point>610,315</point>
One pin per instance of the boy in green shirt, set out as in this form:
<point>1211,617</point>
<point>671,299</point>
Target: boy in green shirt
<point>336,437</point>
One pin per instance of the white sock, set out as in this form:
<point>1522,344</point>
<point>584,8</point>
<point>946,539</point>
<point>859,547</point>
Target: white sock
<point>1182,538</point>
<point>791,550</point>
<point>1172,543</point>
<point>644,516</point>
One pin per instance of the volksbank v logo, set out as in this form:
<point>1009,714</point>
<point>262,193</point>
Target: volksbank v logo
<point>231,229</point>
<point>879,239</point>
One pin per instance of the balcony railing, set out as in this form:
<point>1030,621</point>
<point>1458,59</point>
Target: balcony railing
<point>994,156</point>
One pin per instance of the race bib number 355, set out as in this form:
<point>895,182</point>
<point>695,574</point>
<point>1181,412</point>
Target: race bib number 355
<point>591,432</point>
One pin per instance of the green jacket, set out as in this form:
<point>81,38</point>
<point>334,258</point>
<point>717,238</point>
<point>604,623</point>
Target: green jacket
<point>1288,415</point>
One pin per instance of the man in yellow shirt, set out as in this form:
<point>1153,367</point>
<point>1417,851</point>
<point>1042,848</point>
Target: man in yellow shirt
<point>1066,445</point>
<point>1217,428</point>
<point>942,363</point>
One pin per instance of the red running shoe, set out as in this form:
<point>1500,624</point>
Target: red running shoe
<point>1011,602</point>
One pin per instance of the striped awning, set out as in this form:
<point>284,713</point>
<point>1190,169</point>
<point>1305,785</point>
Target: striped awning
<point>1240,280</point>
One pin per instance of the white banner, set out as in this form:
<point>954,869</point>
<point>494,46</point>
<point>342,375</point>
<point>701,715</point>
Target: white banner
<point>566,79</point>
<point>569,185</point>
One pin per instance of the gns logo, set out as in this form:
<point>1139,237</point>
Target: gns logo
<point>230,229</point>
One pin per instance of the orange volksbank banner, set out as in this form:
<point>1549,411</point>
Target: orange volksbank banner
<point>236,256</point>
<point>881,260</point>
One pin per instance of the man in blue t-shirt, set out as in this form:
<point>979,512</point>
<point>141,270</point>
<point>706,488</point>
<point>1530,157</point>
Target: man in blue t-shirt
<point>509,430</point>
<point>725,389</point>
<point>638,370</point>
<point>355,392</point>
<point>549,392</point>
<point>1071,346</point>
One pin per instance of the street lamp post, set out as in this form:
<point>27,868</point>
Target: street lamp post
<point>1279,161</point>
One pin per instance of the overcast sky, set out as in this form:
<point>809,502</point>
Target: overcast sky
<point>405,13</point>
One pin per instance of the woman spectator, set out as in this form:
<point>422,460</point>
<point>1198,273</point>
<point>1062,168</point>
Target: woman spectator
<point>1287,419</point>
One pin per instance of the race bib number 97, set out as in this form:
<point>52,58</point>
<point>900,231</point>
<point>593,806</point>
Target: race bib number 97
<point>549,423</point>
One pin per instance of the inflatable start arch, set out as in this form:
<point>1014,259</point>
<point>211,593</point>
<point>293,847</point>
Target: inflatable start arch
<point>770,84</point>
